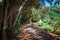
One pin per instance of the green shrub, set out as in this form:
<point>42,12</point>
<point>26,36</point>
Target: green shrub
<point>57,32</point>
<point>48,29</point>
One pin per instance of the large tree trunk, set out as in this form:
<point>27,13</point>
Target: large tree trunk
<point>1,11</point>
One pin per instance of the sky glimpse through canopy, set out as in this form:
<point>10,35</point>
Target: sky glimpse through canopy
<point>50,2</point>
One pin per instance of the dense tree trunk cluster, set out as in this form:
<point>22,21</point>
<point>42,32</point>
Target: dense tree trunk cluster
<point>11,13</point>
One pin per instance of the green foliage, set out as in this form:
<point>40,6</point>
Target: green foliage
<point>30,11</point>
<point>57,32</point>
<point>52,19</point>
<point>0,0</point>
<point>37,14</point>
<point>48,29</point>
<point>56,9</point>
<point>46,10</point>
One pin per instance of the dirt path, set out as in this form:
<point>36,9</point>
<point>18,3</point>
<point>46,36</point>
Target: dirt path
<point>55,36</point>
<point>32,32</point>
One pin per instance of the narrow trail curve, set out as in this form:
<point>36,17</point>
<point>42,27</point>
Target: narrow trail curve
<point>32,32</point>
